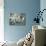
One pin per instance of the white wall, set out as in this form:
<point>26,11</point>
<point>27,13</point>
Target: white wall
<point>1,21</point>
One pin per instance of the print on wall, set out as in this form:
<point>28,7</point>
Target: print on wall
<point>17,19</point>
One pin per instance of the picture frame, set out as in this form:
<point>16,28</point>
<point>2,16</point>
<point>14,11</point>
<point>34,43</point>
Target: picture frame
<point>17,19</point>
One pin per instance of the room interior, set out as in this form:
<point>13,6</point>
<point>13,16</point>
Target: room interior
<point>17,20</point>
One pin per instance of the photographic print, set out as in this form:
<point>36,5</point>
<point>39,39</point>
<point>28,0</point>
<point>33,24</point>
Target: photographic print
<point>17,19</point>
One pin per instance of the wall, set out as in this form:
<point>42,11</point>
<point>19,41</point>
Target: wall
<point>14,33</point>
<point>1,21</point>
<point>43,6</point>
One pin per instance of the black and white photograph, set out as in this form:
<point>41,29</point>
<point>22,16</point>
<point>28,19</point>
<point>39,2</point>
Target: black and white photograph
<point>17,19</point>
